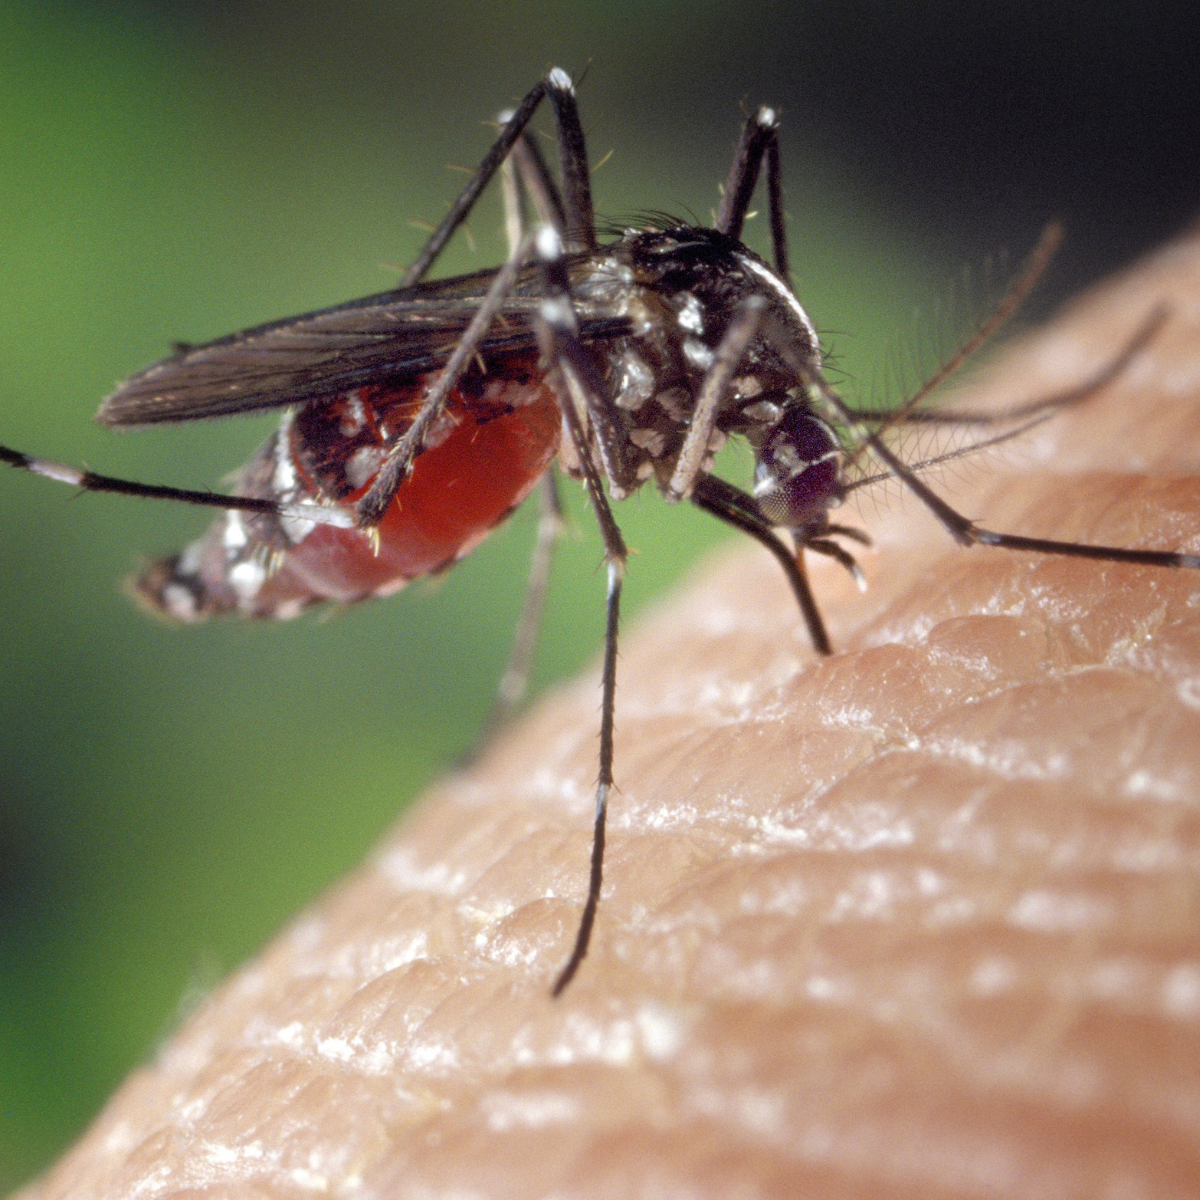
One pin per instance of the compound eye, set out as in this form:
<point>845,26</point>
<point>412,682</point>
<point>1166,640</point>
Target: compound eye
<point>798,475</point>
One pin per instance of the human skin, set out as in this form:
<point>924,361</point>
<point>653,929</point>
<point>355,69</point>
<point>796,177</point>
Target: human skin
<point>921,919</point>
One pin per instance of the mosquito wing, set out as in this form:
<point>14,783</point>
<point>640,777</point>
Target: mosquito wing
<point>390,335</point>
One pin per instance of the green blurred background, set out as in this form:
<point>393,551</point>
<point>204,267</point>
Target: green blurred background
<point>177,170</point>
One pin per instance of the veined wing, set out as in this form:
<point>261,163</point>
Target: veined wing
<point>394,334</point>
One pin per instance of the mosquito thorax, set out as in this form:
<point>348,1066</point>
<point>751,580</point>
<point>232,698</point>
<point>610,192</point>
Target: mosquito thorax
<point>700,276</point>
<point>680,287</point>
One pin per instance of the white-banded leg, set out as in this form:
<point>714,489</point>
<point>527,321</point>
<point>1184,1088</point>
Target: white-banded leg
<point>726,359</point>
<point>760,137</point>
<point>90,481</point>
<point>589,400</point>
<point>370,509</point>
<point>581,395</point>
<point>525,180</point>
<point>557,86</point>
<point>961,528</point>
<point>580,234</point>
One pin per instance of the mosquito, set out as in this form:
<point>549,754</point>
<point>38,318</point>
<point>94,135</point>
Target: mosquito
<point>627,360</point>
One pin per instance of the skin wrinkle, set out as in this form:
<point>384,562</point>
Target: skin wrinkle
<point>919,920</point>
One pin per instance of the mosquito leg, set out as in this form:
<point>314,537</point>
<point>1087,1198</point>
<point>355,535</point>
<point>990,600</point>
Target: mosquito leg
<point>775,208</point>
<point>726,360</point>
<point>89,481</point>
<point>370,509</point>
<point>516,218</point>
<point>576,380</point>
<point>514,683</point>
<point>553,340</point>
<point>585,387</point>
<point>580,224</point>
<point>604,785</point>
<point>465,201</point>
<point>539,183</point>
<point>1045,406</point>
<point>735,508</point>
<point>570,372</point>
<point>840,555</point>
<point>758,131</point>
<point>615,554</point>
<point>760,136</point>
<point>525,177</point>
<point>572,163</point>
<point>962,529</point>
<point>1012,541</point>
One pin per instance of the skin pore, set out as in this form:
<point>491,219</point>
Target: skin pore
<point>921,919</point>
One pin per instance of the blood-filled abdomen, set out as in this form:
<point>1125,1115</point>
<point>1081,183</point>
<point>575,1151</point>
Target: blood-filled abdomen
<point>494,441</point>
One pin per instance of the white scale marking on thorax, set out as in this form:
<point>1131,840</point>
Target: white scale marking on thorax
<point>781,290</point>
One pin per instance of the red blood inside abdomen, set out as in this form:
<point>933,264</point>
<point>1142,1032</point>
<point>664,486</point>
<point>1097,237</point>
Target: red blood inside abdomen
<point>493,446</point>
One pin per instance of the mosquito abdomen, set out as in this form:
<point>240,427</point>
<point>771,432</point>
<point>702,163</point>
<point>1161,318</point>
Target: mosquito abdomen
<point>495,440</point>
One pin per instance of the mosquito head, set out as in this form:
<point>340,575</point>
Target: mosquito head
<point>798,475</point>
